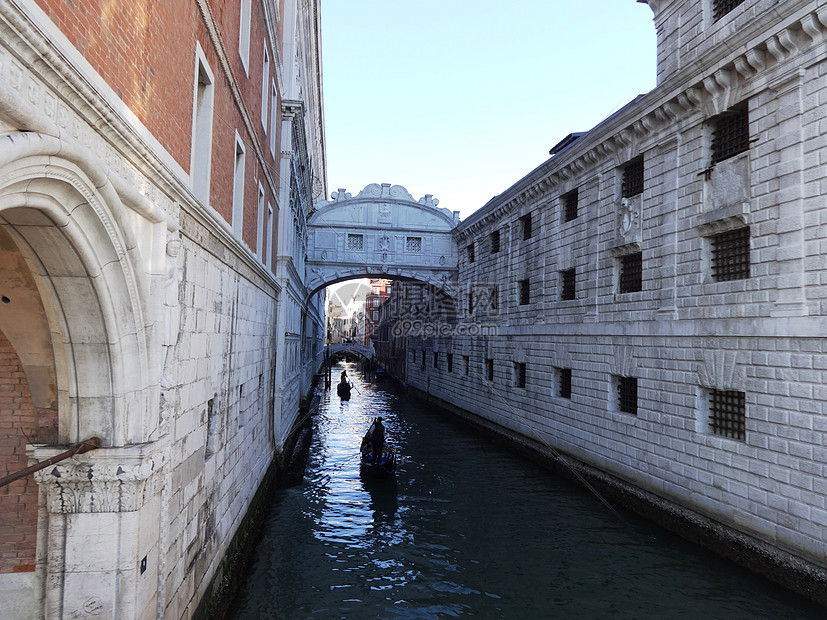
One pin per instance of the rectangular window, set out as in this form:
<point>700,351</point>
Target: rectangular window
<point>238,187</point>
<point>265,84</point>
<point>730,133</point>
<point>525,292</point>
<point>722,7</point>
<point>413,244</point>
<point>631,273</point>
<point>632,178</point>
<point>489,369</point>
<point>269,249</point>
<point>494,295</point>
<point>212,430</point>
<point>377,302</point>
<point>525,223</point>
<point>519,374</point>
<point>495,241</point>
<point>244,35</point>
<point>470,250</point>
<point>422,366</point>
<point>467,361</point>
<point>450,362</point>
<point>375,315</point>
<point>274,117</point>
<point>202,128</point>
<point>570,206</point>
<point>730,255</point>
<point>727,413</point>
<point>627,394</point>
<point>436,359</point>
<point>564,382</point>
<point>260,223</point>
<point>471,303</point>
<point>355,243</point>
<point>567,279</point>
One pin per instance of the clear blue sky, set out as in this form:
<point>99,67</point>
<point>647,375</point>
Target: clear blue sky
<point>462,98</point>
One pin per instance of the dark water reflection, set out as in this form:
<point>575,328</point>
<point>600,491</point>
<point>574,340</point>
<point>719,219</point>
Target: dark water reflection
<point>468,529</point>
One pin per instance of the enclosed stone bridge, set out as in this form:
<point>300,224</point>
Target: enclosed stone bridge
<point>381,233</point>
<point>360,349</point>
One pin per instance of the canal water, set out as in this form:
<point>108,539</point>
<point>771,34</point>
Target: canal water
<point>467,529</point>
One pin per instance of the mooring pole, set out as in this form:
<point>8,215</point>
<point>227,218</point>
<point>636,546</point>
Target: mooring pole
<point>83,446</point>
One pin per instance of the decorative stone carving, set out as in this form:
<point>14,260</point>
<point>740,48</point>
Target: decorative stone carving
<point>628,220</point>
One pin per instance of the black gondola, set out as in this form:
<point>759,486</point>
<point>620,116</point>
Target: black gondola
<point>343,390</point>
<point>382,466</point>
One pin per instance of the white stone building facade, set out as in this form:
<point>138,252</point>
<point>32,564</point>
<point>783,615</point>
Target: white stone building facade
<point>651,299</point>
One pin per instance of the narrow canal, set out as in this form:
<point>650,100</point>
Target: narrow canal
<point>468,529</point>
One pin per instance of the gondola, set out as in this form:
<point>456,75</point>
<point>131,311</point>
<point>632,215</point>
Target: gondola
<point>343,390</point>
<point>382,467</point>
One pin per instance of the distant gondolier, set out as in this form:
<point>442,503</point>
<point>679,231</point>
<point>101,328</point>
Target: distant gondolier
<point>378,439</point>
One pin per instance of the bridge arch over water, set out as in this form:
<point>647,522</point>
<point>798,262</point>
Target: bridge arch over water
<point>382,232</point>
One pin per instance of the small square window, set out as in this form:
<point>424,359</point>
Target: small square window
<point>564,382</point>
<point>525,292</point>
<point>355,242</point>
<point>567,280</point>
<point>631,273</point>
<point>519,374</point>
<point>632,184</point>
<point>525,222</point>
<point>570,206</point>
<point>470,250</point>
<point>730,133</point>
<point>495,241</point>
<point>627,394</point>
<point>489,369</point>
<point>730,255</point>
<point>728,413</point>
<point>413,244</point>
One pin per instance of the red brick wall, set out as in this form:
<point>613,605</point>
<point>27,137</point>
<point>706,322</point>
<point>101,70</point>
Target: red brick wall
<point>18,500</point>
<point>144,50</point>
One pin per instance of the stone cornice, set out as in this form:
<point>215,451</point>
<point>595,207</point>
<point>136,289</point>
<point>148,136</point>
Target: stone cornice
<point>644,118</point>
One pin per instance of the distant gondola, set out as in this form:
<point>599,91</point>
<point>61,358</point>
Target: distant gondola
<point>343,390</point>
<point>385,464</point>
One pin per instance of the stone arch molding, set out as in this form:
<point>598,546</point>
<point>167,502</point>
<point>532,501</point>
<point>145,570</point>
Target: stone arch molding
<point>70,226</point>
<point>382,232</point>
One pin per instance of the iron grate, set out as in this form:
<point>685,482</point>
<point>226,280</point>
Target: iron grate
<point>568,278</point>
<point>627,394</point>
<point>564,382</point>
<point>631,273</point>
<point>525,292</point>
<point>722,7</point>
<point>632,179</point>
<point>730,134</point>
<point>519,374</point>
<point>527,232</point>
<point>470,250</point>
<point>727,413</point>
<point>730,255</point>
<point>495,241</point>
<point>355,242</point>
<point>570,206</point>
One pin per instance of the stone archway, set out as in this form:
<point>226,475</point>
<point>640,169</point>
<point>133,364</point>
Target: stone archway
<point>76,308</point>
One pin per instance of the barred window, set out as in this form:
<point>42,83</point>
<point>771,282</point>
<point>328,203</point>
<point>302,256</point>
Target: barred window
<point>494,298</point>
<point>627,394</point>
<point>570,206</point>
<point>422,365</point>
<point>564,382</point>
<point>470,250</point>
<point>467,360</point>
<point>631,272</point>
<point>727,413</point>
<point>355,242</point>
<point>567,279</point>
<point>436,359</point>
<point>524,292</point>
<point>722,7</point>
<point>730,133</point>
<point>495,241</point>
<point>730,255</point>
<point>471,303</point>
<point>489,369</point>
<point>413,244</point>
<point>519,374</point>
<point>525,221</point>
<point>632,184</point>
<point>450,362</point>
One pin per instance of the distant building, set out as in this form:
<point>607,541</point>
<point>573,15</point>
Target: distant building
<point>380,290</point>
